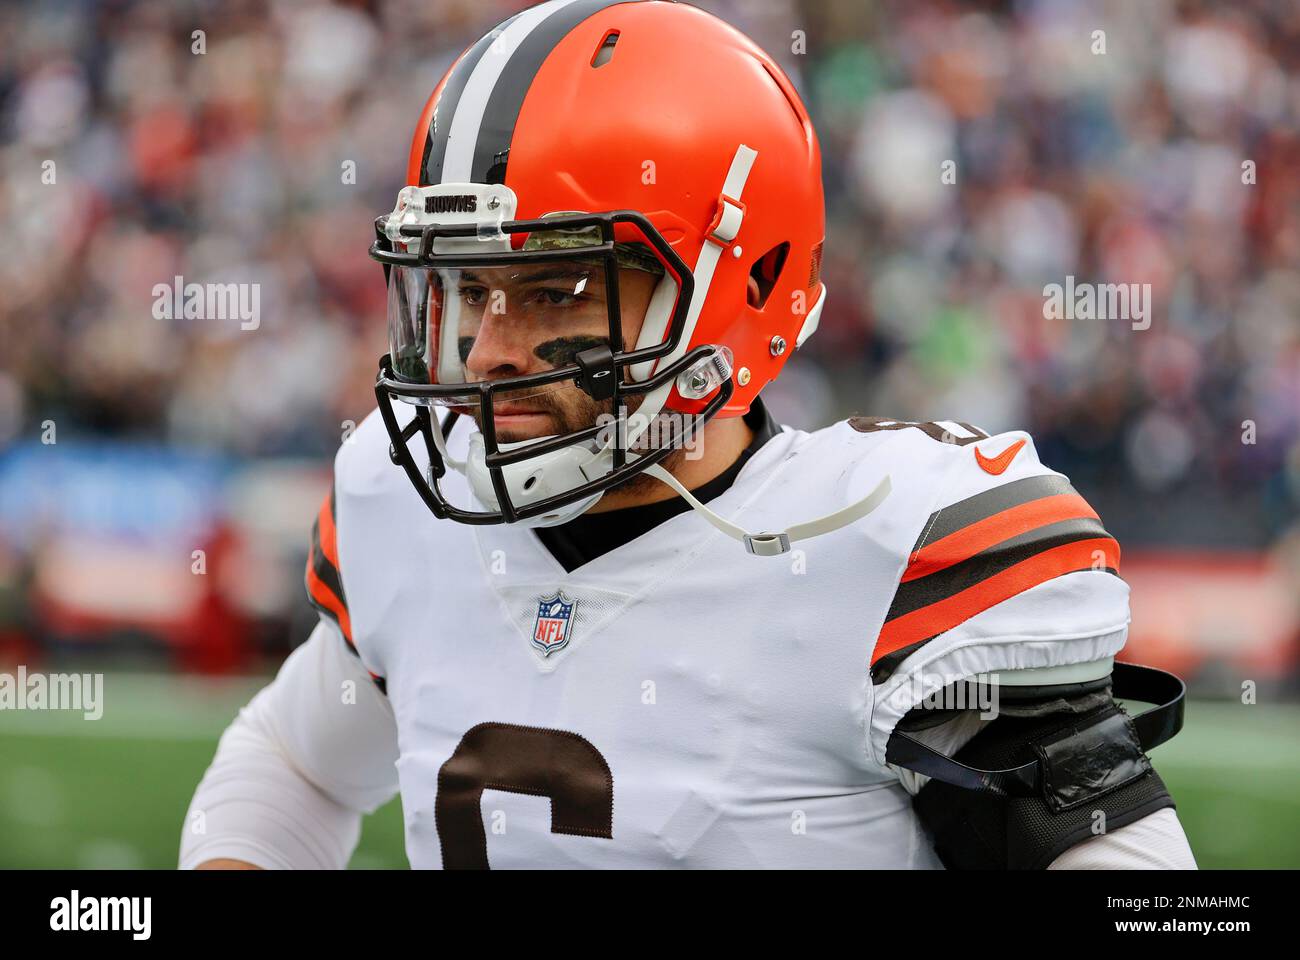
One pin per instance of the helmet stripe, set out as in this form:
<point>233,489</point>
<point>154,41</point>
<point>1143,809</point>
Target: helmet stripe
<point>497,127</point>
<point>435,144</point>
<point>457,167</point>
<point>475,141</point>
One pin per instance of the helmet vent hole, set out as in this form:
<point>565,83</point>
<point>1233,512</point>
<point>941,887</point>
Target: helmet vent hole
<point>605,52</point>
<point>530,482</point>
<point>765,272</point>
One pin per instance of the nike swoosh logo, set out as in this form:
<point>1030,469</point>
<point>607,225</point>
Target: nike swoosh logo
<point>997,465</point>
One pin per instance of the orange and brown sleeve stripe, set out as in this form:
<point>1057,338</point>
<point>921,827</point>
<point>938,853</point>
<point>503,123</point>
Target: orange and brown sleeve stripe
<point>324,585</point>
<point>985,549</point>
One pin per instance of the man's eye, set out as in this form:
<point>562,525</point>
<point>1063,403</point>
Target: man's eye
<point>473,295</point>
<point>556,297</point>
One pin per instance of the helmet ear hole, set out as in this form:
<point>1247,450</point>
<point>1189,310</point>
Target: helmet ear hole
<point>764,274</point>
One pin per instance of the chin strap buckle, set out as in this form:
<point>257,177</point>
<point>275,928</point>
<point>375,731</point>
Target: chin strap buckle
<point>727,218</point>
<point>767,544</point>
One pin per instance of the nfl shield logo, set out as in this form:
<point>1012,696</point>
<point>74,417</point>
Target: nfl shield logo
<point>554,623</point>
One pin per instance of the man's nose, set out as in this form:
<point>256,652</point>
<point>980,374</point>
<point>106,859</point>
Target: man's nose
<point>501,348</point>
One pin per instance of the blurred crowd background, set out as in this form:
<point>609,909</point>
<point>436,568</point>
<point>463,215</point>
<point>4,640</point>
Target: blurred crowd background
<point>227,164</point>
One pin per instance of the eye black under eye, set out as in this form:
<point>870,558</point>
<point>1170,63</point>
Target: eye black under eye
<point>562,351</point>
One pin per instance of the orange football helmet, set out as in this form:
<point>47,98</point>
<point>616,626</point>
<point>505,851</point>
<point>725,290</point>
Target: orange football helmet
<point>577,142</point>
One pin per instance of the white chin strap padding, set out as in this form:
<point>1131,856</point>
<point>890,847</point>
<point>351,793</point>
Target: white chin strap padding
<point>534,480</point>
<point>775,544</point>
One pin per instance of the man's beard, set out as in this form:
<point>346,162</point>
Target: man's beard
<point>571,410</point>
<point>568,408</point>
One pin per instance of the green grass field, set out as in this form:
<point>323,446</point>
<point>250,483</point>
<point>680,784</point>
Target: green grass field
<point>112,793</point>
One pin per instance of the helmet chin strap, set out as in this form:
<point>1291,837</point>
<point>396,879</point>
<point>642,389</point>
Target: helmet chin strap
<point>775,544</point>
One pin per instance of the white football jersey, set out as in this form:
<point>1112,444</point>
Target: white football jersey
<point>677,702</point>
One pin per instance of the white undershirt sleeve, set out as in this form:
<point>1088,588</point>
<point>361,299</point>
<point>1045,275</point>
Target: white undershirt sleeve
<point>298,767</point>
<point>1156,842</point>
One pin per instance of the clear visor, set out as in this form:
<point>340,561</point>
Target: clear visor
<point>521,317</point>
<point>469,325</point>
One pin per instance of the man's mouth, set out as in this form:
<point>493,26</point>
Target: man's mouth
<point>524,421</point>
<point>515,410</point>
<point>518,415</point>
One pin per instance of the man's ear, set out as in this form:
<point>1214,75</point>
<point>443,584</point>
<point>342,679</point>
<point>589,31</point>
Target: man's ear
<point>752,293</point>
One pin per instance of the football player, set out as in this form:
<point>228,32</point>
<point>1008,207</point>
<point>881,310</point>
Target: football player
<point>585,604</point>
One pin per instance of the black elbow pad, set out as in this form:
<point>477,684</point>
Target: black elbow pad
<point>1051,771</point>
